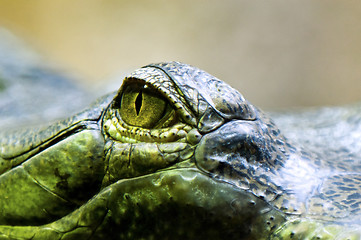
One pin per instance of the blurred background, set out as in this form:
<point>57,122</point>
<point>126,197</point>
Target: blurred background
<point>278,54</point>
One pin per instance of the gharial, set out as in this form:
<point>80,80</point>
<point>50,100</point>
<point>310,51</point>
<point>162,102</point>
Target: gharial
<point>178,154</point>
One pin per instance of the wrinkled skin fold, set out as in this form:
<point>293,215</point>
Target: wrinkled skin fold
<point>161,205</point>
<point>176,153</point>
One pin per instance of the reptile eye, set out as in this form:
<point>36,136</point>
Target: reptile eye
<point>143,106</point>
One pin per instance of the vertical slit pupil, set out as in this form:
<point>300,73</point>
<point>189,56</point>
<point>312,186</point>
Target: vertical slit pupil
<point>138,102</point>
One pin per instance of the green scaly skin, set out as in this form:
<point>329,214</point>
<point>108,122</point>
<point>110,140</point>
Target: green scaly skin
<point>177,154</point>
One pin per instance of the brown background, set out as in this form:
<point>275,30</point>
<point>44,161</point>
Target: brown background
<point>278,53</point>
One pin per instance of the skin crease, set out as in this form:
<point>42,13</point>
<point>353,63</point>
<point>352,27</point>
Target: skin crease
<point>178,154</point>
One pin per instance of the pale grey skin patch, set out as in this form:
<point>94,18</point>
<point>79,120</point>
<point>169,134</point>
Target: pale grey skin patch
<point>221,169</point>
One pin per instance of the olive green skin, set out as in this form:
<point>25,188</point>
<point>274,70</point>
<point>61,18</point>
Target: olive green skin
<point>56,169</point>
<point>220,168</point>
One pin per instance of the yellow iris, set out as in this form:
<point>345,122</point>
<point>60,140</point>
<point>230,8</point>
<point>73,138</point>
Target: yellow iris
<point>142,106</point>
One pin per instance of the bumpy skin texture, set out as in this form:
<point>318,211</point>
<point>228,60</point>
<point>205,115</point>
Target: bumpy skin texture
<point>178,154</point>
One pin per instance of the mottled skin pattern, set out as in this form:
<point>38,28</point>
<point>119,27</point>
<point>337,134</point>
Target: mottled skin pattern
<point>178,154</point>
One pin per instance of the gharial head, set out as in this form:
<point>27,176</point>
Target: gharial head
<point>174,154</point>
